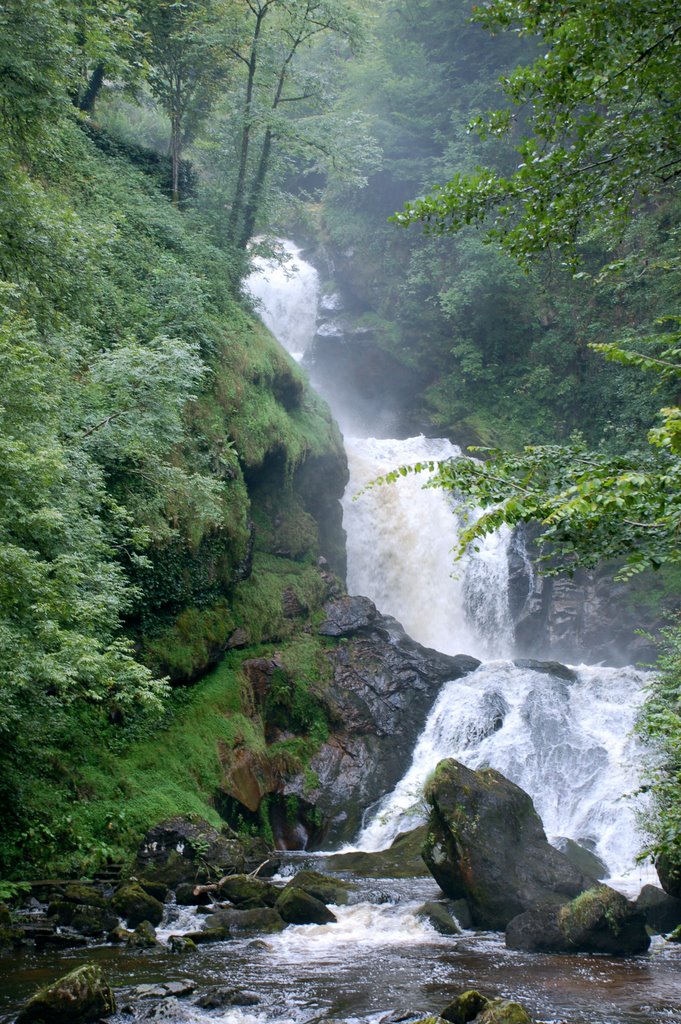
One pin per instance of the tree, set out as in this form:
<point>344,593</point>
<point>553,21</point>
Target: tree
<point>275,80</point>
<point>188,48</point>
<point>602,104</point>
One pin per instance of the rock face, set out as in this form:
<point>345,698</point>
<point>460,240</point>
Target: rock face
<point>384,684</point>
<point>485,843</point>
<point>599,921</point>
<point>82,995</point>
<point>179,850</point>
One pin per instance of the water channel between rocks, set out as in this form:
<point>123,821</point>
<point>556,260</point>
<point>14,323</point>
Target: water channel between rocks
<point>565,740</point>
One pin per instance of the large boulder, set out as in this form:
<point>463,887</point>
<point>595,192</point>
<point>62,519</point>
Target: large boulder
<point>321,887</point>
<point>248,893</point>
<point>132,903</point>
<point>669,872</point>
<point>230,924</point>
<point>297,907</point>
<point>486,844</point>
<point>185,850</point>
<point>598,921</point>
<point>402,859</point>
<point>80,996</point>
<point>383,688</point>
<point>662,912</point>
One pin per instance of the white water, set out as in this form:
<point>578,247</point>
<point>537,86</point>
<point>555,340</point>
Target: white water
<point>399,545</point>
<point>567,744</point>
<point>287,294</point>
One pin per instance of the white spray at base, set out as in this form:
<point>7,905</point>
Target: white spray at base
<point>567,743</point>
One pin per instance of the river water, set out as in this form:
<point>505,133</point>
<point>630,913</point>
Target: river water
<point>564,740</point>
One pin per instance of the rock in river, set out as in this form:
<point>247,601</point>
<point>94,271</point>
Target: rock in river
<point>80,996</point>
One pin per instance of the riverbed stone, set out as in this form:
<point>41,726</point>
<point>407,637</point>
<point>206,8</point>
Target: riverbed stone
<point>80,996</point>
<point>600,920</point>
<point>503,1011</point>
<point>88,920</point>
<point>222,995</point>
<point>143,937</point>
<point>132,903</point>
<point>321,887</point>
<point>401,860</point>
<point>248,893</point>
<point>662,912</point>
<point>237,923</point>
<point>486,844</point>
<point>298,907</point>
<point>439,918</point>
<point>181,944</point>
<point>464,1007</point>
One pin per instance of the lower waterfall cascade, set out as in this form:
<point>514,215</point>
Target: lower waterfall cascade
<point>568,743</point>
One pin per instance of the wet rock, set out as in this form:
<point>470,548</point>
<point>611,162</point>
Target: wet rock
<point>439,918</point>
<point>582,859</point>
<point>143,937</point>
<point>485,843</point>
<point>90,921</point>
<point>462,912</point>
<point>662,912</point>
<point>84,895</point>
<point>186,897</point>
<point>221,996</point>
<point>184,987</point>
<point>82,995</point>
<point>503,1011</point>
<point>321,887</point>
<point>237,923</point>
<point>297,907</point>
<point>183,850</point>
<point>181,944</point>
<point>402,860</point>
<point>549,668</point>
<point>383,687</point>
<point>118,935</point>
<point>347,615</point>
<point>668,867</point>
<point>248,893</point>
<point>598,921</point>
<point>159,890</point>
<point>135,905</point>
<point>465,1007</point>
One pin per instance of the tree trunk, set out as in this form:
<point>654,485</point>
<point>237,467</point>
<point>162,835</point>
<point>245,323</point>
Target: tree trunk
<point>239,187</point>
<point>87,101</point>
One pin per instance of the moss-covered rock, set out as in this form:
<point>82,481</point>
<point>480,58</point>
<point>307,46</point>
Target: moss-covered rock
<point>297,907</point>
<point>143,937</point>
<point>181,944</point>
<point>228,924</point>
<point>439,918</point>
<point>465,1007</point>
<point>135,905</point>
<point>401,860</point>
<point>89,920</point>
<point>11,934</point>
<point>248,893</point>
<point>503,1011</point>
<point>80,996</point>
<point>321,887</point>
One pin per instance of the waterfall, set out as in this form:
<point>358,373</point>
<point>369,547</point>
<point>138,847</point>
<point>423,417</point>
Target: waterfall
<point>567,742</point>
<point>286,294</point>
<point>400,539</point>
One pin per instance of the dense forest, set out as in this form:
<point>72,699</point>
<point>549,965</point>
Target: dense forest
<point>169,479</point>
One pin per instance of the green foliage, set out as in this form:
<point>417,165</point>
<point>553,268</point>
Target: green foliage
<point>601,134</point>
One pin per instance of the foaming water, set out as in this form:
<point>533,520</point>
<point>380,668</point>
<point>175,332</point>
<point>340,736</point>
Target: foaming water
<point>399,541</point>
<point>566,743</point>
<point>287,295</point>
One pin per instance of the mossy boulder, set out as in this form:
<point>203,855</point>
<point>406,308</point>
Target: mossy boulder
<point>135,905</point>
<point>248,893</point>
<point>321,887</point>
<point>80,996</point>
<point>662,912</point>
<point>192,850</point>
<point>472,1006</point>
<point>185,896</point>
<point>84,895</point>
<point>298,907</point>
<point>401,860</point>
<point>181,944</point>
<point>143,937</point>
<point>669,872</point>
<point>238,923</point>
<point>464,1007</point>
<point>439,918</point>
<point>598,921</point>
<point>87,919</point>
<point>485,843</point>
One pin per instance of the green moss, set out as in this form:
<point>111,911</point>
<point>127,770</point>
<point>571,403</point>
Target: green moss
<point>184,649</point>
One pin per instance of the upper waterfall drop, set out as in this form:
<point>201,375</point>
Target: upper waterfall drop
<point>399,540</point>
<point>287,294</point>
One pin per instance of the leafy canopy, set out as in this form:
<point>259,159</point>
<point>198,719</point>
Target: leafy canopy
<point>599,109</point>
